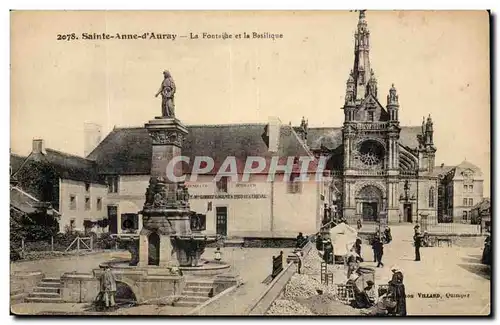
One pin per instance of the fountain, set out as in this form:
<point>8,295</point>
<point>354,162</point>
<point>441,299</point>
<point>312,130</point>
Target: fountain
<point>171,242</point>
<point>171,236</point>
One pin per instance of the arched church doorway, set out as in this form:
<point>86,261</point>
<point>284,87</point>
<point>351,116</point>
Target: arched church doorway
<point>369,203</point>
<point>154,249</point>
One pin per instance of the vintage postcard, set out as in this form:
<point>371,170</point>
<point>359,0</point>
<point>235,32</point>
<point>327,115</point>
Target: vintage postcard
<point>248,163</point>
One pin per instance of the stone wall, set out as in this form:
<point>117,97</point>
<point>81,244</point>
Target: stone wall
<point>146,285</point>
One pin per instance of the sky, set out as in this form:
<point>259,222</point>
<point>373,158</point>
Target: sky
<point>438,61</point>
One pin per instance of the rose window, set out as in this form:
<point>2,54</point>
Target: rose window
<point>370,153</point>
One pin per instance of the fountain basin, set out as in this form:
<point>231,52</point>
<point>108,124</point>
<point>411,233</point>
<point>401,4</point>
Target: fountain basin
<point>204,268</point>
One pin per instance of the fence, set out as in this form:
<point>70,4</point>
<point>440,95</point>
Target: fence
<point>277,265</point>
<point>61,243</point>
<point>454,228</point>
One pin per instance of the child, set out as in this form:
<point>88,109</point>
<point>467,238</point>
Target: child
<point>218,255</point>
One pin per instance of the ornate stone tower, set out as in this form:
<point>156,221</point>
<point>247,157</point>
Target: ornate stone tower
<point>426,149</point>
<point>166,212</point>
<point>370,138</point>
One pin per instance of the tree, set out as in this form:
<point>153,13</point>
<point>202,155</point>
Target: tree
<point>40,179</point>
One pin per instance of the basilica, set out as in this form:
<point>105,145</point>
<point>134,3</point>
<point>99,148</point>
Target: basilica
<point>380,169</point>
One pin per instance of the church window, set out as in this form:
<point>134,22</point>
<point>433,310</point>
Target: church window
<point>370,116</point>
<point>431,197</point>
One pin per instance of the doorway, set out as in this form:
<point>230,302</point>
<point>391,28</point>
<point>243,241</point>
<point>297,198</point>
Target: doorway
<point>369,211</point>
<point>221,221</point>
<point>113,219</point>
<point>407,212</point>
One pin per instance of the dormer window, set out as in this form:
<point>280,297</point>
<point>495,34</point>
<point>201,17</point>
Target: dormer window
<point>370,116</point>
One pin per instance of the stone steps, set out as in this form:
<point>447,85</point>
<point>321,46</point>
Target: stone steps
<point>48,290</point>
<point>195,293</point>
<point>43,299</point>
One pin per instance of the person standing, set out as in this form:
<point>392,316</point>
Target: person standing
<point>374,239</point>
<point>108,287</point>
<point>357,248</point>
<point>359,224</point>
<point>379,251</point>
<point>352,262</point>
<point>387,235</point>
<point>301,241</point>
<point>328,254</point>
<point>217,255</point>
<point>397,293</point>
<point>418,243</point>
<point>298,253</point>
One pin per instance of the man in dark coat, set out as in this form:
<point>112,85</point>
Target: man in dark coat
<point>379,251</point>
<point>328,254</point>
<point>387,235</point>
<point>418,243</point>
<point>357,248</point>
<point>301,241</point>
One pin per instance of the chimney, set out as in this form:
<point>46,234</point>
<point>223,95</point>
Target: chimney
<point>442,165</point>
<point>92,137</point>
<point>274,133</point>
<point>38,146</point>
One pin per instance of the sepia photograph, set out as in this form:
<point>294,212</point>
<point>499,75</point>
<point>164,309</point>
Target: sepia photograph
<point>250,163</point>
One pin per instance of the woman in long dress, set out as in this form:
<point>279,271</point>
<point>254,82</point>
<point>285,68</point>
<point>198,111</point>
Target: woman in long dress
<point>397,293</point>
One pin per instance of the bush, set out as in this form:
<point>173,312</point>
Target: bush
<point>105,241</point>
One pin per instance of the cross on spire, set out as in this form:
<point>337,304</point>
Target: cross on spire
<point>361,13</point>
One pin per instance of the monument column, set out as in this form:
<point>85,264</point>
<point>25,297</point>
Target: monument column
<point>166,211</point>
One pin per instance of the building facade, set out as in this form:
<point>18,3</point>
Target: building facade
<point>234,207</point>
<point>461,188</point>
<point>381,169</point>
<point>69,183</point>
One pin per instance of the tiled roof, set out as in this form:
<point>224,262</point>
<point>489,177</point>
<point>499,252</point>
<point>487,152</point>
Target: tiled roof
<point>331,138</point>
<point>128,150</point>
<point>483,205</point>
<point>464,165</point>
<point>442,170</point>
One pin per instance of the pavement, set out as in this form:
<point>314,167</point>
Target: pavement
<point>447,280</point>
<point>253,265</point>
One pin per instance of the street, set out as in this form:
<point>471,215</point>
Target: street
<point>447,280</point>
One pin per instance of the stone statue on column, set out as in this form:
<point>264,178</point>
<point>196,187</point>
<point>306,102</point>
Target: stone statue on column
<point>167,91</point>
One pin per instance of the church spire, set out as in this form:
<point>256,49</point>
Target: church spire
<point>362,70</point>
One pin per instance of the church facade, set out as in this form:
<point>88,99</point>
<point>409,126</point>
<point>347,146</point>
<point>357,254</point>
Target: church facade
<point>380,169</point>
